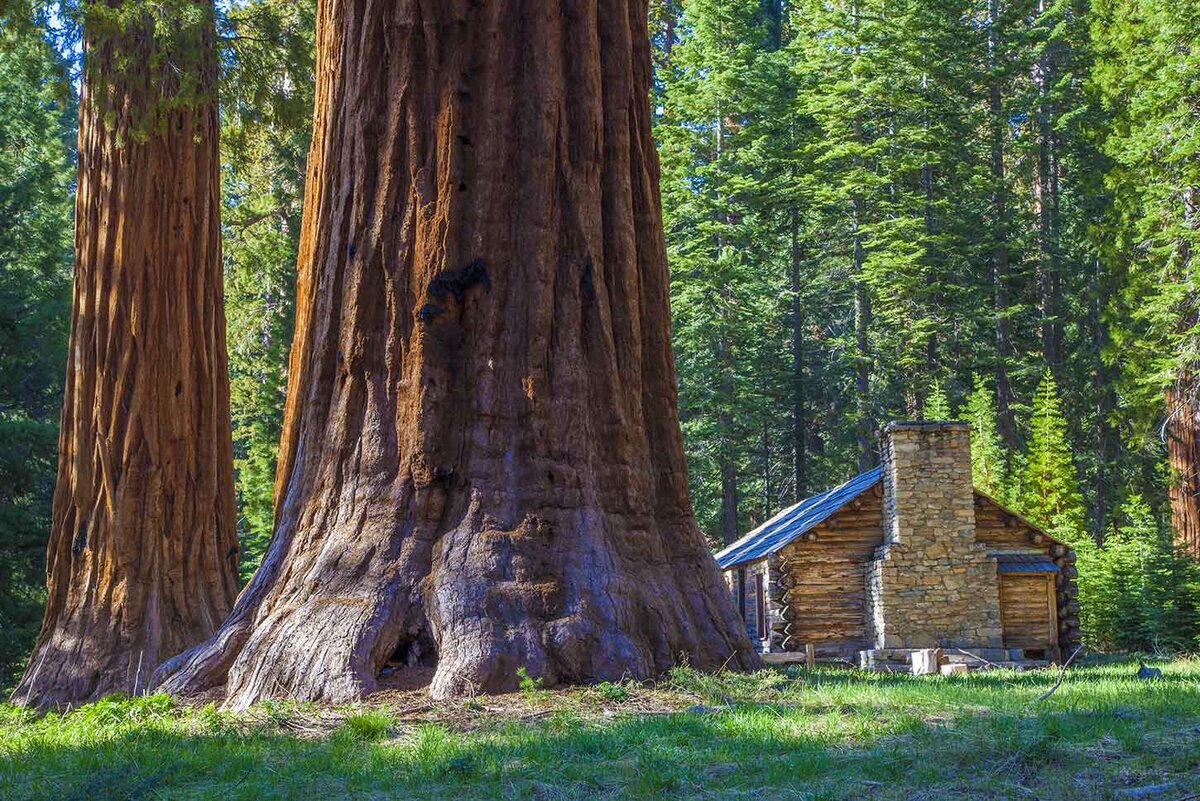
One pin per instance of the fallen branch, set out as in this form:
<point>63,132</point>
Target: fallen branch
<point>1062,672</point>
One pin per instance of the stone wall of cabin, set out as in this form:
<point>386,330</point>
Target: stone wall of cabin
<point>931,583</point>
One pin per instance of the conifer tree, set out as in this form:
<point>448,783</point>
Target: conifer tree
<point>989,460</point>
<point>1050,491</point>
<point>37,120</point>
<point>142,557</point>
<point>1136,594</point>
<point>481,464</point>
<point>937,405</point>
<point>726,281</point>
<point>1148,73</point>
<point>266,125</point>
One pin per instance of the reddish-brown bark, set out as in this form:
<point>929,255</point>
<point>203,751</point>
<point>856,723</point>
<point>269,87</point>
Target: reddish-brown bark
<point>1183,454</point>
<point>143,548</point>
<point>481,461</point>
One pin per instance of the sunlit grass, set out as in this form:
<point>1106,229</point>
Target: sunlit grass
<point>824,734</point>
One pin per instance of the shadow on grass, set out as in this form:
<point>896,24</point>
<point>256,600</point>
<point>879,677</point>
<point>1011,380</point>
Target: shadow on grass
<point>748,751</point>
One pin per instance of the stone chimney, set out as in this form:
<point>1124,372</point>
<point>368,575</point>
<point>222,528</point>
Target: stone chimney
<point>931,584</point>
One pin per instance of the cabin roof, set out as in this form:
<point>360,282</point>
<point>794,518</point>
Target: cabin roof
<point>799,518</point>
<point>1025,563</point>
<point>794,521</point>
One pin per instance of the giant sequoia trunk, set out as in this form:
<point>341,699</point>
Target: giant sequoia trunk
<point>481,461</point>
<point>143,549</point>
<point>1183,454</point>
<point>1183,409</point>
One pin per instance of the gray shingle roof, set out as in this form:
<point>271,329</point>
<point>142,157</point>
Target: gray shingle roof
<point>794,521</point>
<point>1025,563</point>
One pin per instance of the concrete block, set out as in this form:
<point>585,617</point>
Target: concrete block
<point>926,662</point>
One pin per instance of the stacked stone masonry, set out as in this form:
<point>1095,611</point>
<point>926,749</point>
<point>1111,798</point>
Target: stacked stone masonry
<point>931,582</point>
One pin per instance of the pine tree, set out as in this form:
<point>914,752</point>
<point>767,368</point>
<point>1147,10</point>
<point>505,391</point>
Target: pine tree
<point>937,405</point>
<point>1148,73</point>
<point>989,457</point>
<point>1136,594</point>
<point>726,278</point>
<point>1050,491</point>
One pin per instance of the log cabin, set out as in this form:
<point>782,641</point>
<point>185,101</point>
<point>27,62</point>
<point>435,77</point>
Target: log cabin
<point>905,557</point>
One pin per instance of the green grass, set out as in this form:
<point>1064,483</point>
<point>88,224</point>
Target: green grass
<point>826,734</point>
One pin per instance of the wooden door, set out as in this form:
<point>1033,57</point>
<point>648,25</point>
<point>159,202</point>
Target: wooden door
<point>1028,611</point>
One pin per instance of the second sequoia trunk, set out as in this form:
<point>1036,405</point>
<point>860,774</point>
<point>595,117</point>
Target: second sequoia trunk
<point>481,462</point>
<point>1183,453</point>
<point>142,560</point>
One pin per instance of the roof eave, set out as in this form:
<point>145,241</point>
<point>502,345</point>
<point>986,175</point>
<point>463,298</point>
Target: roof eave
<point>1024,520</point>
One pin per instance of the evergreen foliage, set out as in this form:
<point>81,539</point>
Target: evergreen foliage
<point>37,111</point>
<point>265,129</point>
<point>1050,489</point>
<point>937,405</point>
<point>989,461</point>
<point>1136,594</point>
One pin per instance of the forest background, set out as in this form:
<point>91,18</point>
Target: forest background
<point>875,209</point>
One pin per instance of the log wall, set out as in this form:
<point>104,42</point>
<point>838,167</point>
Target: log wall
<point>822,584</point>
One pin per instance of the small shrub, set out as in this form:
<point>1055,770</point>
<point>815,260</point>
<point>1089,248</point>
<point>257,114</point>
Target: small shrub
<point>530,687</point>
<point>367,726</point>
<point>612,692</point>
<point>728,687</point>
<point>1136,594</point>
<point>121,710</point>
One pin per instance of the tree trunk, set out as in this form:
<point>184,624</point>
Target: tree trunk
<point>1106,401</point>
<point>864,425</point>
<point>1183,454</point>
<point>1183,413</point>
<point>481,462</point>
<point>1045,201</point>
<point>998,125</point>
<point>799,403</point>
<point>143,548</point>
<point>726,456</point>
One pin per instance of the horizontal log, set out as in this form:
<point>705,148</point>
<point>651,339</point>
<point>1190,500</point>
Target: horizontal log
<point>830,588</point>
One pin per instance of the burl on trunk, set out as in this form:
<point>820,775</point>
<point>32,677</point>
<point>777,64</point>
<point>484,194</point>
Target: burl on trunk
<point>481,461</point>
<point>142,560</point>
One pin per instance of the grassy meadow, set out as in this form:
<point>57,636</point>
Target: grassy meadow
<point>797,734</point>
